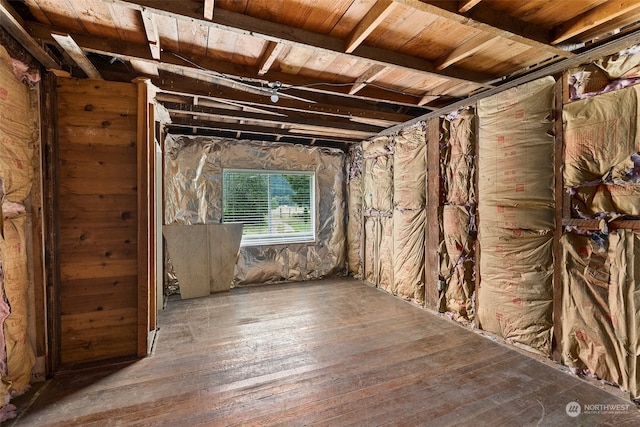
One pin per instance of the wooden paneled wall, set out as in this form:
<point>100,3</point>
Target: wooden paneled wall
<point>98,219</point>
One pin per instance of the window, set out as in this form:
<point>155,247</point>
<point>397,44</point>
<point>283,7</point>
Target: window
<point>274,206</point>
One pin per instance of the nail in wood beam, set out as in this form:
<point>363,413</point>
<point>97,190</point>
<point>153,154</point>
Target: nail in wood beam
<point>371,74</point>
<point>270,54</point>
<point>208,9</point>
<point>69,45</point>
<point>152,33</point>
<point>371,20</point>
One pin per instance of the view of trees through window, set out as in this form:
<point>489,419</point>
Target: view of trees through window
<point>274,206</point>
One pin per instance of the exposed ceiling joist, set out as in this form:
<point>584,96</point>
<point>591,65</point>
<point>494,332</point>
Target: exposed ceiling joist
<point>466,5</point>
<point>292,118</point>
<point>491,22</point>
<point>174,83</point>
<point>151,30</point>
<point>597,52</point>
<point>66,42</point>
<point>270,54</point>
<point>14,25</point>
<point>465,50</point>
<point>592,18</point>
<point>219,69</point>
<point>370,75</point>
<point>254,129</point>
<point>323,44</point>
<point>371,20</point>
<point>209,5</point>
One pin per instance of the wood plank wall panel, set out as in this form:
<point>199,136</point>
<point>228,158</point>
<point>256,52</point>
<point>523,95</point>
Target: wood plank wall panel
<point>97,208</point>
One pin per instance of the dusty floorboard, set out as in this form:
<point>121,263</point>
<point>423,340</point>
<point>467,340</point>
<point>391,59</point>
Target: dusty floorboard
<point>331,352</point>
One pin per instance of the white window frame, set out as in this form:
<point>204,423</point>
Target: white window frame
<point>275,238</point>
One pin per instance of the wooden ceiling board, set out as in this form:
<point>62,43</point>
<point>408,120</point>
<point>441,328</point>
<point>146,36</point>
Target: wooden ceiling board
<point>128,23</point>
<point>295,59</point>
<point>401,25</point>
<point>429,42</point>
<point>351,17</point>
<point>324,20</point>
<point>408,82</point>
<point>34,9</point>
<point>168,32</point>
<point>96,17</point>
<point>545,13</point>
<point>247,50</point>
<point>61,14</point>
<point>239,6</point>
<point>504,57</point>
<point>193,38</point>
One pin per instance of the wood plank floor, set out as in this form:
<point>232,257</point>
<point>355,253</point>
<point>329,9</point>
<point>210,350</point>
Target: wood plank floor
<point>330,352</point>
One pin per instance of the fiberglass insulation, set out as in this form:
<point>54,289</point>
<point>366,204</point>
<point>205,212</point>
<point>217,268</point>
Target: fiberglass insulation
<point>18,135</point>
<point>601,296</point>
<point>516,214</point>
<point>193,195</point>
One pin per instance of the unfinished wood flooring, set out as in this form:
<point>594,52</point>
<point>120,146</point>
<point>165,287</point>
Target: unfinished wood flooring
<point>331,352</point>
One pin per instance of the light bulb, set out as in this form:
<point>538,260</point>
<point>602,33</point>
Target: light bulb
<point>274,97</point>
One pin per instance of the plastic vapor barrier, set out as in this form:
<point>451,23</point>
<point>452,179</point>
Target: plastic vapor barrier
<point>193,194</point>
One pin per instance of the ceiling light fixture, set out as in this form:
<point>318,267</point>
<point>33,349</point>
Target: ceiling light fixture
<point>274,90</point>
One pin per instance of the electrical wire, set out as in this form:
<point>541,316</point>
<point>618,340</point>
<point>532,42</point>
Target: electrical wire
<point>269,90</point>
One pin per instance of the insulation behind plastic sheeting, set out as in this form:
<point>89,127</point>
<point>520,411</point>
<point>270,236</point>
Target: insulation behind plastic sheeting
<point>378,259</point>
<point>193,194</point>
<point>409,169</point>
<point>408,253</point>
<point>515,295</point>
<point>601,296</point>
<point>599,133</point>
<point>354,206</point>
<point>516,213</point>
<point>378,175</point>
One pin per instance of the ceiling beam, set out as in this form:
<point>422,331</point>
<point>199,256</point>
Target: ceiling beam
<point>466,5</point>
<point>254,129</point>
<point>463,51</point>
<point>151,29</point>
<point>247,25</point>
<point>66,42</point>
<point>178,84</point>
<point>208,9</point>
<point>494,23</point>
<point>590,55</point>
<point>14,25</point>
<point>291,118</point>
<point>368,76</point>
<point>212,69</point>
<point>592,18</point>
<point>371,20</point>
<point>270,54</point>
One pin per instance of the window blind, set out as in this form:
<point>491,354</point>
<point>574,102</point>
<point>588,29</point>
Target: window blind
<point>275,207</point>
